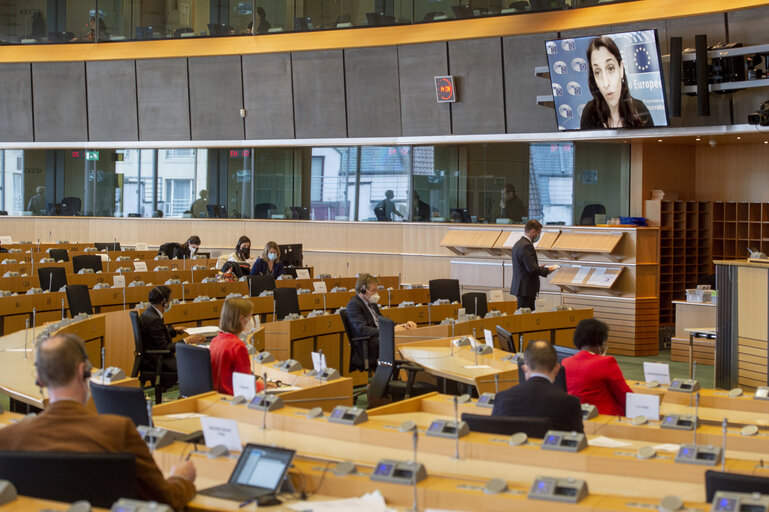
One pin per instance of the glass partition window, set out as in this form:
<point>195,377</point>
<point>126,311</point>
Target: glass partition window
<point>65,21</point>
<point>471,183</point>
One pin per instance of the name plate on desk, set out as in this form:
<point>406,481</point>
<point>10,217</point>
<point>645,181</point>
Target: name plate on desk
<point>398,472</point>
<point>567,490</point>
<point>706,455</point>
<point>348,415</point>
<point>564,441</point>
<point>762,393</point>
<point>449,429</point>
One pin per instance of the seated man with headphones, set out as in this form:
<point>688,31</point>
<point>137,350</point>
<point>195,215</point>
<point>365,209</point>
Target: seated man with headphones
<point>66,425</point>
<point>156,335</point>
<point>363,316</point>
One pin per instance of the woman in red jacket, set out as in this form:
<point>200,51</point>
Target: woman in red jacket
<point>592,376</point>
<point>228,350</point>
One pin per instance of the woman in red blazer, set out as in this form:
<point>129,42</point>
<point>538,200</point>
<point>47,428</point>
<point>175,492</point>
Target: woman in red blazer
<point>592,376</point>
<point>228,351</point>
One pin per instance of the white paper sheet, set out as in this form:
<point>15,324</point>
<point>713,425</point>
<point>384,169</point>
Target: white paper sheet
<point>657,371</point>
<point>371,502</point>
<point>607,442</point>
<point>581,274</point>
<point>319,286</point>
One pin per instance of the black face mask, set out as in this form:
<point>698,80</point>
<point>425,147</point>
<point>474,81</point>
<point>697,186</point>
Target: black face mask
<point>246,252</point>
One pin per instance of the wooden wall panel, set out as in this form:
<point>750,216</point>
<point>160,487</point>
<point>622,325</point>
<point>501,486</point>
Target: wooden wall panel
<point>732,172</point>
<point>112,101</point>
<point>753,298</point>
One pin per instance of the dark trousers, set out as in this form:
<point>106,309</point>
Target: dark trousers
<point>525,301</point>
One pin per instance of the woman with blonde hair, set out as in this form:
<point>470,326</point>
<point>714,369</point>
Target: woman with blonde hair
<point>228,350</point>
<point>269,263</point>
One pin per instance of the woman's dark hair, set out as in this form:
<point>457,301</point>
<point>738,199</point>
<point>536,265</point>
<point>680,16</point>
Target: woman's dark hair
<point>193,240</point>
<point>242,240</point>
<point>590,333</point>
<point>264,25</point>
<point>627,110</point>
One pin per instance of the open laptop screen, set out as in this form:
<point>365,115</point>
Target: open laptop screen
<point>262,466</point>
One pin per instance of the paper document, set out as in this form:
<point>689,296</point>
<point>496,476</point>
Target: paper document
<point>141,246</point>
<point>600,277</point>
<point>477,367</point>
<point>319,286</point>
<point>206,330</point>
<point>667,447</point>
<point>140,266</point>
<point>6,240</point>
<point>607,442</point>
<point>318,361</point>
<point>581,274</point>
<point>371,502</point>
<point>303,273</point>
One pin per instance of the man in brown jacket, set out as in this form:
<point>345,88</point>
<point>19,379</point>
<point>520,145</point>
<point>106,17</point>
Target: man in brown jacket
<point>67,426</point>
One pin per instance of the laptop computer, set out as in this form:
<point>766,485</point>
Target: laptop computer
<point>259,474</point>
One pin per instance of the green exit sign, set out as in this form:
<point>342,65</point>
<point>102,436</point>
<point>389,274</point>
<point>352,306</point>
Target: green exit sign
<point>91,155</point>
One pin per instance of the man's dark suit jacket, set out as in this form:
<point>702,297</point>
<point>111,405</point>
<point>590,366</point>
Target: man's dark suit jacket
<point>537,397</point>
<point>155,334</point>
<point>362,325</point>
<point>526,269</point>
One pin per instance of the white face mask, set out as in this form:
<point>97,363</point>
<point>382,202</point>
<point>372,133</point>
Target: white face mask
<point>272,256</point>
<point>374,299</point>
<point>193,249</point>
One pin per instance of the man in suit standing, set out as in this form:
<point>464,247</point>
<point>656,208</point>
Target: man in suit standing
<point>66,425</point>
<point>156,335</point>
<point>538,397</point>
<point>363,316</point>
<point>526,268</point>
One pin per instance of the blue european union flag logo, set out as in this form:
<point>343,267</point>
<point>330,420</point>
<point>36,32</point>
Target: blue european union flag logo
<point>641,58</point>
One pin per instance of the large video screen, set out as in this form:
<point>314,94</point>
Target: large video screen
<point>607,81</point>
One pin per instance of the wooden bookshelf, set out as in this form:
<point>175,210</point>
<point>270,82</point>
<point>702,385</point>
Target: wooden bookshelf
<point>685,248</point>
<point>738,227</point>
<point>463,241</point>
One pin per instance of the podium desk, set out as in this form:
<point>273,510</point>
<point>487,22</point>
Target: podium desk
<point>296,339</point>
<point>482,456</point>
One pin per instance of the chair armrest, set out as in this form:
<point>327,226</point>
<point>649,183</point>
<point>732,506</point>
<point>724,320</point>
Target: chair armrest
<point>408,366</point>
<point>361,338</point>
<point>158,352</point>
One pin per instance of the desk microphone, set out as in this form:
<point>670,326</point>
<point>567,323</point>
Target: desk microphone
<point>62,308</point>
<point>50,281</point>
<point>26,335</point>
<point>457,400</point>
<point>149,416</point>
<point>696,416</point>
<point>723,444</point>
<point>496,383</point>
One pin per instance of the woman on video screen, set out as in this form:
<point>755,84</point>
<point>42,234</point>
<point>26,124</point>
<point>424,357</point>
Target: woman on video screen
<point>612,105</point>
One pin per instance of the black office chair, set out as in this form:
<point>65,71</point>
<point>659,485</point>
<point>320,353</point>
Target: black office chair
<point>732,482</point>
<point>385,381</point>
<point>506,340</point>
<point>153,371</point>
<point>82,261</point>
<point>475,303</point>
<point>508,425</point>
<point>589,212</point>
<point>100,478</point>
<point>123,401</point>
<point>107,246</point>
<point>194,367</point>
<point>79,299</point>
<point>71,206</point>
<point>286,302</point>
<point>359,341</point>
<point>183,30</point>
<point>519,5</point>
<point>444,289</point>
<point>460,215</point>
<point>262,210</point>
<point>258,284</point>
<point>299,212</point>
<point>59,254</point>
<point>52,278</point>
<point>430,16</point>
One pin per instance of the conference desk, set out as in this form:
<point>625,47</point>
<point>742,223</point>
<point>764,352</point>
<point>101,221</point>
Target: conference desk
<point>482,456</point>
<point>30,268</point>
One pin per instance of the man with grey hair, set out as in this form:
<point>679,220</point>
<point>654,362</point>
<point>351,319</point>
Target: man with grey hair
<point>66,425</point>
<point>538,397</point>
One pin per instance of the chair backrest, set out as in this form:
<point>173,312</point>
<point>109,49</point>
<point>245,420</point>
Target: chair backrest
<point>588,214</point>
<point>286,302</point>
<point>194,367</point>
<point>123,401</point>
<point>100,478</point>
<point>262,210</point>
<point>59,254</point>
<point>731,482</point>
<point>52,278</point>
<point>508,425</point>
<point>384,372</point>
<point>258,284</point>
<point>347,327</point>
<point>444,289</point>
<point>506,340</point>
<point>110,246</point>
<point>79,299</point>
<point>86,261</point>
<point>71,206</point>
<point>475,303</point>
<point>138,345</point>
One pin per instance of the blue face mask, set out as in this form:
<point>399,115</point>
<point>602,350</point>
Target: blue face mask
<point>272,256</point>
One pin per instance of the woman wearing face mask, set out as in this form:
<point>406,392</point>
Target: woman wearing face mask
<point>269,262</point>
<point>363,316</point>
<point>241,255</point>
<point>228,350</point>
<point>612,105</point>
<point>591,375</point>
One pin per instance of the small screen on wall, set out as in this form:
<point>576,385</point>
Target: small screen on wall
<point>607,81</point>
